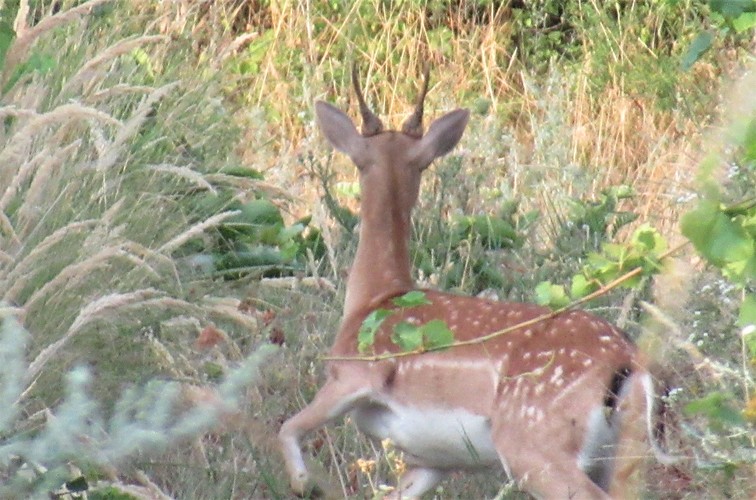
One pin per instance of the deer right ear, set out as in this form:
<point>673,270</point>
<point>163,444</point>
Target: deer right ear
<point>339,130</point>
<point>443,134</point>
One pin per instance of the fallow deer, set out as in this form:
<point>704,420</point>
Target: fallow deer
<point>564,405</point>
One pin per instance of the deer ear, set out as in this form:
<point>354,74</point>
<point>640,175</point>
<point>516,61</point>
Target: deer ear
<point>339,129</point>
<point>443,134</point>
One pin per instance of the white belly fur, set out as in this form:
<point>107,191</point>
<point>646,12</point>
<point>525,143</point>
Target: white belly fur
<point>443,439</point>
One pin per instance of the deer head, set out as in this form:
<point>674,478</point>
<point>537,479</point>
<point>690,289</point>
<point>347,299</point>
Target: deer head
<point>391,161</point>
<point>390,164</point>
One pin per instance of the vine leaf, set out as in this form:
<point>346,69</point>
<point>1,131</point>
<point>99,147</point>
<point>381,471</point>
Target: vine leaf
<point>411,299</point>
<point>437,334</point>
<point>697,48</point>
<point>548,294</point>
<point>721,240</point>
<point>370,325</point>
<point>434,334</point>
<point>407,336</point>
<point>718,408</point>
<point>582,286</point>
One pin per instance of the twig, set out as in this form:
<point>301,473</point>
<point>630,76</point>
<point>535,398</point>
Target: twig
<point>538,319</point>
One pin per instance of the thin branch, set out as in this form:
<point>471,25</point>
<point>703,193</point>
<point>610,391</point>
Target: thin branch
<point>538,319</point>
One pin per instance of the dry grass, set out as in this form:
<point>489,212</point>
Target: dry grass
<point>90,206</point>
<point>101,157</point>
<point>616,131</point>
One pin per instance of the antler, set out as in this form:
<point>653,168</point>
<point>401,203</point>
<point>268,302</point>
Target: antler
<point>414,124</point>
<point>371,124</point>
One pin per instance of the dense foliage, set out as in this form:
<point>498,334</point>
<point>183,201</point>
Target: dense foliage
<point>167,211</point>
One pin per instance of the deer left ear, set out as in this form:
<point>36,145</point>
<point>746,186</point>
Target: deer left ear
<point>443,134</point>
<point>339,129</point>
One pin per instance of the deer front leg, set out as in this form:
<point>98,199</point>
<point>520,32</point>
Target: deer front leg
<point>334,399</point>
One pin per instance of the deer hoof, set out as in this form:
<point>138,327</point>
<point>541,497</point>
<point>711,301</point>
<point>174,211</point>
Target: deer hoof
<point>304,486</point>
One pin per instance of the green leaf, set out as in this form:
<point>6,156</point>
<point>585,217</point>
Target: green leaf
<point>7,35</point>
<point>255,256</point>
<point>77,485</point>
<point>251,59</point>
<point>581,286</point>
<point>720,240</point>
<point>747,314</point>
<point>744,22</point>
<point>260,212</point>
<point>214,371</point>
<point>35,63</point>
<point>437,334</point>
<point>241,171</point>
<point>732,8</point>
<point>411,299</point>
<point>142,58</point>
<point>494,232</point>
<point>407,336</point>
<point>749,141</point>
<point>369,327</point>
<point>287,233</point>
<point>717,407</point>
<point>648,239</point>
<point>697,48</point>
<point>550,295</point>
<point>621,192</point>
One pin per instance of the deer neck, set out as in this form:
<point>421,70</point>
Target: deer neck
<point>381,265</point>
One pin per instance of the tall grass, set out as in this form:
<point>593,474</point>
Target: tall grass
<point>125,126</point>
<point>106,132</point>
<point>615,64</point>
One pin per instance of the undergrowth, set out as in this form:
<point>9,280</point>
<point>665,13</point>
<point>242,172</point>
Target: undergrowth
<point>166,209</point>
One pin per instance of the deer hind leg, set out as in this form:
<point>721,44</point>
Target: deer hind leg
<point>562,480</point>
<point>636,415</point>
<point>544,470</point>
<point>556,479</point>
<point>334,399</point>
<point>610,451</point>
<point>415,482</point>
<point>597,455</point>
